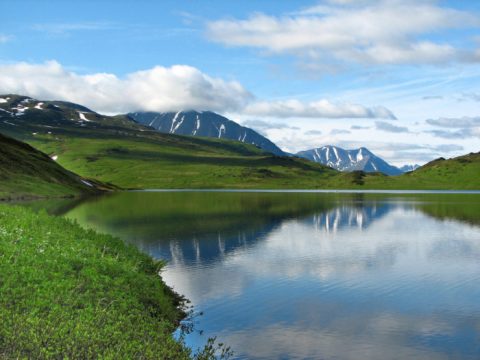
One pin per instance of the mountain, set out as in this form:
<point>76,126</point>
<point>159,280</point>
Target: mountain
<point>26,172</point>
<point>349,160</point>
<point>408,168</point>
<point>204,123</point>
<point>120,151</point>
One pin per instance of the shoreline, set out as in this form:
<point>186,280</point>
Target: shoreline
<point>21,198</point>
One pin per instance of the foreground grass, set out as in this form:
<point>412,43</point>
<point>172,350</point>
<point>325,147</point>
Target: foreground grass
<point>66,292</point>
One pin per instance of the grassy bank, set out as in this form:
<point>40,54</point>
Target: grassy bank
<point>71,293</point>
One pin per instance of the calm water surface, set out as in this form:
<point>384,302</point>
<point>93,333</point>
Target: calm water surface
<point>312,275</point>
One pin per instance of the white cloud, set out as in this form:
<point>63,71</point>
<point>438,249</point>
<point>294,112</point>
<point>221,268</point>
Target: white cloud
<point>156,89</point>
<point>374,32</point>
<point>464,133</point>
<point>384,126</point>
<point>463,122</point>
<point>175,88</point>
<point>315,109</point>
<point>266,125</point>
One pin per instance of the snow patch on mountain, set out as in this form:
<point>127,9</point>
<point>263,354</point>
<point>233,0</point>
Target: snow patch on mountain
<point>82,116</point>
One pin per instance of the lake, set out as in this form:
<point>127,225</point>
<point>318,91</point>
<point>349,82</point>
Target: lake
<point>311,275</point>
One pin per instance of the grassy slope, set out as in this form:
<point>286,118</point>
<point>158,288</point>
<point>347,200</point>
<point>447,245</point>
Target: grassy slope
<point>72,293</point>
<point>116,150</point>
<point>462,172</point>
<point>27,172</point>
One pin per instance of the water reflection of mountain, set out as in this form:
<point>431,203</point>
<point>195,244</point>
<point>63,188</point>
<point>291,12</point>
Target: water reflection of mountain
<point>206,248</point>
<point>349,217</point>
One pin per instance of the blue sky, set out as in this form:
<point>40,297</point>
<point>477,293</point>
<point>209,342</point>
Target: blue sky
<point>399,77</point>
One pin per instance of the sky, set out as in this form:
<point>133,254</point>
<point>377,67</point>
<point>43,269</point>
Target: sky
<point>401,78</point>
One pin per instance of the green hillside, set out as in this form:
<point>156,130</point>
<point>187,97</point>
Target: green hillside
<point>119,151</point>
<point>115,149</point>
<point>26,172</point>
<point>462,172</point>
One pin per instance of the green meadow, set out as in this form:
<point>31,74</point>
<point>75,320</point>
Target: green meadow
<point>70,293</point>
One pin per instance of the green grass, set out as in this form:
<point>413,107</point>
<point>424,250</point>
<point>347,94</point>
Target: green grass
<point>72,293</point>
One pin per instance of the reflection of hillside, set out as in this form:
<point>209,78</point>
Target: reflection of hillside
<point>192,228</point>
<point>464,208</point>
<point>349,217</point>
<point>206,248</point>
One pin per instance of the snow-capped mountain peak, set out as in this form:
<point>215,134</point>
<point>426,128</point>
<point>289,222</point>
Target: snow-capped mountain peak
<point>349,160</point>
<point>203,123</point>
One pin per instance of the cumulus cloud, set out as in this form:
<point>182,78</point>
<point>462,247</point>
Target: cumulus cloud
<point>179,87</point>
<point>370,32</point>
<point>316,109</point>
<point>385,126</point>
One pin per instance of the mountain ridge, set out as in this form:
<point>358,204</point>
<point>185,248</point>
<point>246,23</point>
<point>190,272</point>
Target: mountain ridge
<point>360,159</point>
<point>204,123</point>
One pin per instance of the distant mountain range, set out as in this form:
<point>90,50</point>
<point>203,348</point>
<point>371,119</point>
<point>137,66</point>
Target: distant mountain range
<point>408,168</point>
<point>192,123</point>
<point>204,123</point>
<point>210,124</point>
<point>349,160</point>
<point>120,151</point>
